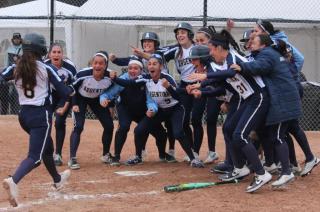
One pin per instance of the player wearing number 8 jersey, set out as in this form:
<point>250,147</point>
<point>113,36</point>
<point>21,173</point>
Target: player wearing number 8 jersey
<point>32,80</point>
<point>250,114</point>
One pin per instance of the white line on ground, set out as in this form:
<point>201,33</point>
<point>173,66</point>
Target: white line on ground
<point>54,196</point>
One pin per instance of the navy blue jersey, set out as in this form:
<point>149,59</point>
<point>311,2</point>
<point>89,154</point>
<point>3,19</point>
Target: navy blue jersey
<point>41,94</point>
<point>87,86</point>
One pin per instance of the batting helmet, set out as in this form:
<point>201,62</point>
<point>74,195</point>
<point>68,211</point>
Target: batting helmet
<point>151,36</point>
<point>186,26</point>
<point>35,43</point>
<point>246,35</point>
<point>201,52</point>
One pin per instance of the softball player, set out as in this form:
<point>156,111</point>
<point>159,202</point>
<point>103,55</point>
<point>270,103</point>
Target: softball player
<point>150,44</point>
<point>135,104</point>
<point>184,35</point>
<point>162,89</point>
<point>296,63</point>
<point>284,98</point>
<point>200,59</point>
<point>66,71</point>
<point>32,80</point>
<point>250,114</point>
<point>266,27</point>
<point>89,84</point>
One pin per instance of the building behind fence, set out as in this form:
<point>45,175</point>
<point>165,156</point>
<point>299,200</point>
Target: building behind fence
<point>114,25</point>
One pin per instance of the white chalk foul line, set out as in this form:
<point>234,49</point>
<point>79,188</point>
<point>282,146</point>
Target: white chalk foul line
<point>54,196</point>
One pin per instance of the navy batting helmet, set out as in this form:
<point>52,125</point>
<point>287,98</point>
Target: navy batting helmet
<point>35,43</point>
<point>201,52</point>
<point>246,35</point>
<point>186,26</point>
<point>151,36</point>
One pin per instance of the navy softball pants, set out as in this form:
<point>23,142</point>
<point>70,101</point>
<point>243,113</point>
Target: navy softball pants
<point>250,115</point>
<point>125,118</point>
<point>36,121</point>
<point>175,115</point>
<point>104,117</point>
<point>213,109</point>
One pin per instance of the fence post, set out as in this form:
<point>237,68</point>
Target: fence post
<point>205,14</point>
<point>52,21</point>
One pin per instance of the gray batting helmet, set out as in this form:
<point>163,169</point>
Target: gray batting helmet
<point>186,26</point>
<point>35,43</point>
<point>151,36</point>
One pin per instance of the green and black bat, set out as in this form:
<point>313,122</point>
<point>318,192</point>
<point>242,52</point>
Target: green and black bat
<point>190,186</point>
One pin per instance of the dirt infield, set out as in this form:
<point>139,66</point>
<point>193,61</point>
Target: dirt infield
<point>96,187</point>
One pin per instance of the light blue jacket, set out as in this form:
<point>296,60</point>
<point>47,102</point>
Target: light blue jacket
<point>115,90</point>
<point>297,55</point>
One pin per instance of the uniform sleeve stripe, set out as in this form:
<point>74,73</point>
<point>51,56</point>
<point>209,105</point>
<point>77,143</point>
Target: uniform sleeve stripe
<point>170,79</point>
<point>81,78</point>
<point>53,73</point>
<point>8,69</point>
<point>170,50</point>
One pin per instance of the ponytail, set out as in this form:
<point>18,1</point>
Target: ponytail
<point>281,47</point>
<point>26,70</point>
<point>232,41</point>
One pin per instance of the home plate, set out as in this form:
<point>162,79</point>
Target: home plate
<point>135,173</point>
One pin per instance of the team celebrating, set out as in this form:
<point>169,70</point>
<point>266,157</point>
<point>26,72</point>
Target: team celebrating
<point>255,84</point>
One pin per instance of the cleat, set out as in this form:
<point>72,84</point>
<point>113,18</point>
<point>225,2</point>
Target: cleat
<point>73,164</point>
<point>272,169</point>
<point>115,162</point>
<point>106,158</point>
<point>57,160</point>
<point>187,159</point>
<point>307,169</point>
<point>283,180</point>
<point>64,178</point>
<point>212,156</point>
<point>221,168</point>
<point>12,191</point>
<point>172,152</point>
<point>235,174</point>
<point>296,170</point>
<point>196,163</point>
<point>144,154</point>
<point>259,181</point>
<point>136,160</point>
<point>170,159</point>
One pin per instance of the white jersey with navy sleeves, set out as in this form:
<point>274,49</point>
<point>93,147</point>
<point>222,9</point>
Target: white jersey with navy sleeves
<point>87,86</point>
<point>236,56</point>
<point>67,70</point>
<point>183,63</point>
<point>40,95</point>
<point>239,82</point>
<point>159,93</point>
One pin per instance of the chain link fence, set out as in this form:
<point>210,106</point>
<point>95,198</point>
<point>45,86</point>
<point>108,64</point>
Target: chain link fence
<point>85,26</point>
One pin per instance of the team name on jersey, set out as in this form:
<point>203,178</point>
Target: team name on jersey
<point>92,90</point>
<point>184,62</point>
<point>159,94</point>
